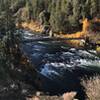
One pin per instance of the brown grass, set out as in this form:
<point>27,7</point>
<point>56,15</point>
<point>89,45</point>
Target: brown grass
<point>98,50</point>
<point>92,88</point>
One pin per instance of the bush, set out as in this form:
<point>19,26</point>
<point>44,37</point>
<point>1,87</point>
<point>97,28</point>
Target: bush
<point>98,50</point>
<point>92,88</point>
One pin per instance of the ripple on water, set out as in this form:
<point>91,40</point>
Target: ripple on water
<point>55,61</point>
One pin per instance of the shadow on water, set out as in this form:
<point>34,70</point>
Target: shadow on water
<point>70,82</point>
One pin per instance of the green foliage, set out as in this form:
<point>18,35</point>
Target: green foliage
<point>7,40</point>
<point>94,7</point>
<point>65,14</point>
<point>4,64</point>
<point>7,22</point>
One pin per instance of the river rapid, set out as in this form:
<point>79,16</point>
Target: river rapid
<point>59,63</point>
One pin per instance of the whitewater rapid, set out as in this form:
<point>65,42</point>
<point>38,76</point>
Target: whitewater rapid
<point>54,58</point>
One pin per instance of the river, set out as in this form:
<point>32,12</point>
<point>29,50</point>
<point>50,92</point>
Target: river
<point>59,65</point>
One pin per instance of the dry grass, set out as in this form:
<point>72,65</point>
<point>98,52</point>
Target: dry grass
<point>65,96</point>
<point>92,88</point>
<point>98,50</point>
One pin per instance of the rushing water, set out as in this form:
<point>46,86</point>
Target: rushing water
<point>58,62</point>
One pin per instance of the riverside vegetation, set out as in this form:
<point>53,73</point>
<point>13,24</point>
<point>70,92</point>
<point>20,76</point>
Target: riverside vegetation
<point>65,17</point>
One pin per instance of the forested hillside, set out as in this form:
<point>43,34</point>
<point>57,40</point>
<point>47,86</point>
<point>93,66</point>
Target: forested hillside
<point>65,14</point>
<point>53,56</point>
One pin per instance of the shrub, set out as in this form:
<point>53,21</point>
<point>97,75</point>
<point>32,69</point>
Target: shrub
<point>92,88</point>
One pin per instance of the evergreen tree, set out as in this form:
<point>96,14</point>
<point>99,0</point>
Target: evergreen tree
<point>6,19</point>
<point>64,13</point>
<point>94,8</point>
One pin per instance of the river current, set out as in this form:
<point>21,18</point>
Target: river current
<point>59,62</point>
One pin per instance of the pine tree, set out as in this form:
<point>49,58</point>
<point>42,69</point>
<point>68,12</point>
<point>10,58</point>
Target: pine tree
<point>94,8</point>
<point>64,13</point>
<point>6,19</point>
